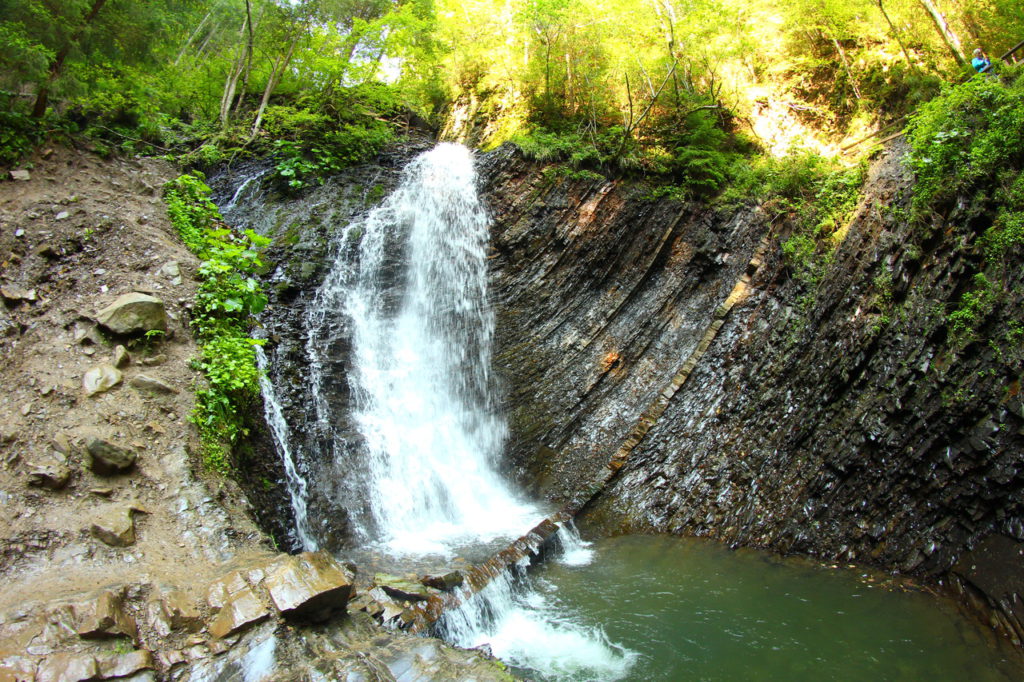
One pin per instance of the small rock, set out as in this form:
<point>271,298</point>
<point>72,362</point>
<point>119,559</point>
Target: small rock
<point>102,492</point>
<point>101,378</point>
<point>154,360</point>
<point>448,581</point>
<point>47,251</point>
<point>103,617</point>
<point>400,588</point>
<point>87,332</point>
<point>115,526</point>
<point>134,313</point>
<point>152,386</point>
<point>106,458</point>
<point>63,215</point>
<point>173,610</point>
<point>15,294</point>
<point>51,474</point>
<point>61,444</point>
<point>20,175</point>
<point>310,585</point>
<point>121,357</point>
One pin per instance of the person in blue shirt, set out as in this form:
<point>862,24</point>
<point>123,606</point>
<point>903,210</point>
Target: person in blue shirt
<point>980,61</point>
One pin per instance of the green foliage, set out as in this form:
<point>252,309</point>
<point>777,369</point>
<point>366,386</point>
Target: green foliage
<point>975,305</point>
<point>19,135</point>
<point>313,140</point>
<point>228,298</point>
<point>961,139</point>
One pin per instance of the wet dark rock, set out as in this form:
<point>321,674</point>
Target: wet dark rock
<point>446,581</point>
<point>400,588</point>
<point>311,585</point>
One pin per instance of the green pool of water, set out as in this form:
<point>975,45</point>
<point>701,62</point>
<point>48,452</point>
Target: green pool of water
<point>686,609</point>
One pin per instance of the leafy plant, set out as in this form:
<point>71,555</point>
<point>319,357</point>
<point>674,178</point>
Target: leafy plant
<point>225,305</point>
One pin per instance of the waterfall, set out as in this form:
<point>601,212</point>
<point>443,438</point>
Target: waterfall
<point>521,620</point>
<point>410,285</point>
<point>294,481</point>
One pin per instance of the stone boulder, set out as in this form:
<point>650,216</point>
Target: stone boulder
<point>51,472</point>
<point>16,294</point>
<point>311,585</point>
<point>400,588</point>
<point>447,581</point>
<point>239,606</point>
<point>115,526</point>
<point>152,386</point>
<point>104,617</point>
<point>134,314</point>
<point>106,458</point>
<point>100,378</point>
<point>172,610</point>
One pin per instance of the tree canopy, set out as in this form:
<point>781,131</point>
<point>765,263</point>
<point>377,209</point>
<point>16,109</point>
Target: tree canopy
<point>660,86</point>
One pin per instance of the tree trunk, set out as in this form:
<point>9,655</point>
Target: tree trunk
<point>248,60</point>
<point>230,85</point>
<point>948,36</point>
<point>43,96</point>
<point>275,77</point>
<point>192,37</point>
<point>846,66</point>
<point>896,35</point>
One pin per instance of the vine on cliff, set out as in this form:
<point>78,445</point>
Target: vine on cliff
<point>224,309</point>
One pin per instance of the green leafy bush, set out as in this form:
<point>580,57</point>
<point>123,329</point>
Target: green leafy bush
<point>228,298</point>
<point>963,137</point>
<point>19,135</point>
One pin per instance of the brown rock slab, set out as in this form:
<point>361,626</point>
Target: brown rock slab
<point>112,665</point>
<point>106,458</point>
<point>309,585</point>
<point>134,313</point>
<point>67,667</point>
<point>241,607</point>
<point>115,526</point>
<point>103,617</point>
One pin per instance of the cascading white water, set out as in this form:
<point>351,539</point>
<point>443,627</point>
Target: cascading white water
<point>522,621</point>
<point>294,481</point>
<point>414,292</point>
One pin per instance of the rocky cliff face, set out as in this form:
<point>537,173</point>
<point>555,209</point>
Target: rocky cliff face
<point>840,422</point>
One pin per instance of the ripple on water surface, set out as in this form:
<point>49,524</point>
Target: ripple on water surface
<point>691,609</point>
